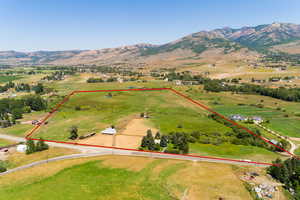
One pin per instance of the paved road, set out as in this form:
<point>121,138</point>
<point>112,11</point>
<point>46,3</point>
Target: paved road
<point>97,151</point>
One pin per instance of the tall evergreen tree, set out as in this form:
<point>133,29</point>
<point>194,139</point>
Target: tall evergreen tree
<point>30,147</point>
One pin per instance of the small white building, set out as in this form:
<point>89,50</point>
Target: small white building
<point>21,148</point>
<point>109,131</point>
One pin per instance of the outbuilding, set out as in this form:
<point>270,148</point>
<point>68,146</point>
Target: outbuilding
<point>109,131</point>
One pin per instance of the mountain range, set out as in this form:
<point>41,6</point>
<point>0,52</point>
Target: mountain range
<point>229,43</point>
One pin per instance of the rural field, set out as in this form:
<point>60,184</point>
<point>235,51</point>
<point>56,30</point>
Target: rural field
<point>273,110</point>
<point>93,112</point>
<point>121,177</point>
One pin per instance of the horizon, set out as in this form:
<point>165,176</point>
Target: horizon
<point>52,26</point>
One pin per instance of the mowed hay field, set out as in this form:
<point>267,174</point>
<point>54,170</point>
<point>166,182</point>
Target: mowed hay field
<point>121,177</point>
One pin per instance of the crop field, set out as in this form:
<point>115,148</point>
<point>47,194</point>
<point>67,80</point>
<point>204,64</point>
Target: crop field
<point>4,79</point>
<point>121,177</point>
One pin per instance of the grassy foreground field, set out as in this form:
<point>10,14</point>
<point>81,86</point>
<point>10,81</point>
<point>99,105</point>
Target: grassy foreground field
<point>120,177</point>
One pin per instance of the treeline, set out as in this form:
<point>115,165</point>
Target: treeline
<point>240,136</point>
<point>287,94</point>
<point>100,80</point>
<point>288,173</point>
<point>13,109</point>
<point>184,76</point>
<point>21,87</point>
<point>110,79</point>
<point>281,56</point>
<point>58,75</point>
<point>92,68</point>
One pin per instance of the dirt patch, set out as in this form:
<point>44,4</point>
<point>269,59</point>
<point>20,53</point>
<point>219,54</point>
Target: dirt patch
<point>137,127</point>
<point>99,139</point>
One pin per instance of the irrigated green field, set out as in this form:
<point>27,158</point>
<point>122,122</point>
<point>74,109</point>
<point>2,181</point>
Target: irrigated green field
<point>4,79</point>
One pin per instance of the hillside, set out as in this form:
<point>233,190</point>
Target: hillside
<point>226,44</point>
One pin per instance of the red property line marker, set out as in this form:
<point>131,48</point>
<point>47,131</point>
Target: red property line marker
<point>32,131</point>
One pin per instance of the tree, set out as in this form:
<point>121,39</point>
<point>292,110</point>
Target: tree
<point>30,147</point>
<point>151,143</point>
<point>2,167</point>
<point>164,141</point>
<point>39,88</point>
<point>144,142</point>
<point>17,113</point>
<point>185,148</point>
<point>142,115</point>
<point>149,133</point>
<point>73,133</point>
<point>157,136</point>
<point>41,145</point>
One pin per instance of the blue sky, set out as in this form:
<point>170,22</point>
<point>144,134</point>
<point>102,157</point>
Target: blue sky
<point>28,25</point>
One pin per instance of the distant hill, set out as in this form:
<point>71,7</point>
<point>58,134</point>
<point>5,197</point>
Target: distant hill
<point>227,43</point>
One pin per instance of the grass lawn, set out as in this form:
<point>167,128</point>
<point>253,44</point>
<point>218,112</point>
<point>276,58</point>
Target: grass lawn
<point>132,178</point>
<point>234,151</point>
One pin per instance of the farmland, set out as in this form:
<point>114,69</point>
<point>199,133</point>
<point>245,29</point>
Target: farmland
<point>93,112</point>
<point>4,79</point>
<point>127,177</point>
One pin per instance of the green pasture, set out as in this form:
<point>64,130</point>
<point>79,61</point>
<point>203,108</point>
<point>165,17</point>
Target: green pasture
<point>92,180</point>
<point>98,111</point>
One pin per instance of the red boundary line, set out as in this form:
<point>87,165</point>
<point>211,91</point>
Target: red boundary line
<point>153,89</point>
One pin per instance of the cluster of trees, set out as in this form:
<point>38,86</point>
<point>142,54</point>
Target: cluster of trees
<point>174,142</point>
<point>100,80</point>
<point>95,80</point>
<point>13,109</point>
<point>38,89</point>
<point>148,141</point>
<point>23,87</point>
<point>288,173</point>
<point>287,94</point>
<point>32,147</point>
<point>180,143</point>
<point>7,86</point>
<point>184,76</point>
<point>58,75</point>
